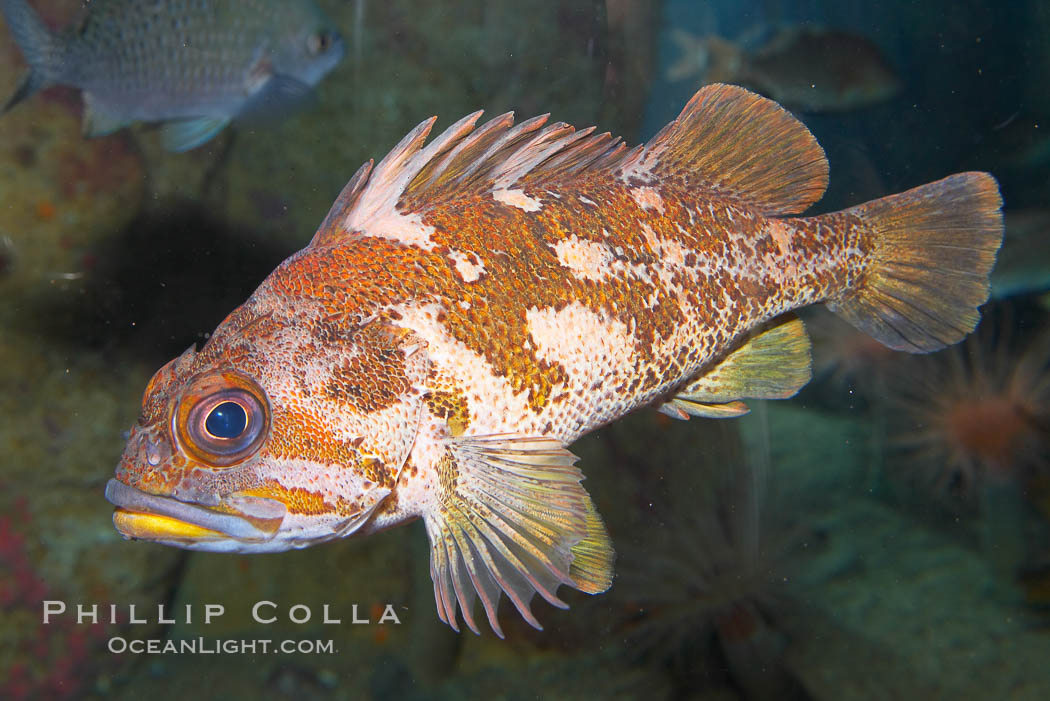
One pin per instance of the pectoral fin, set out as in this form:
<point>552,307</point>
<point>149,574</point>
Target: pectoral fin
<point>774,364</point>
<point>277,97</point>
<point>512,517</point>
<point>185,134</point>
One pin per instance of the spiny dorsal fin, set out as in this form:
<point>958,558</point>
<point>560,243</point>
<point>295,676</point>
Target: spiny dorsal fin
<point>727,142</point>
<point>730,142</point>
<point>332,226</point>
<point>512,518</point>
<point>772,364</point>
<point>464,161</point>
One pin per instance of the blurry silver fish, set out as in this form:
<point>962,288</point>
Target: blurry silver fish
<point>193,64</point>
<point>806,68</point>
<point>1023,266</point>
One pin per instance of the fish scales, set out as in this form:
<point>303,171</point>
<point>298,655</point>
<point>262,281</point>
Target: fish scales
<point>628,281</point>
<point>471,306</point>
<point>213,40</point>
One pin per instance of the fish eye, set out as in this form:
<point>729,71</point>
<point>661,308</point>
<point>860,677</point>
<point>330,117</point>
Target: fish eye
<point>222,422</point>
<point>319,43</point>
<point>227,420</point>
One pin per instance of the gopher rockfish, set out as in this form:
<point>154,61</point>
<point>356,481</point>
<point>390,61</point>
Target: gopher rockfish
<point>193,64</point>
<point>472,306</point>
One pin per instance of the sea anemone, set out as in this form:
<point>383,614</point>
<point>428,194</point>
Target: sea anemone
<point>975,415</point>
<point>701,580</point>
<point>843,356</point>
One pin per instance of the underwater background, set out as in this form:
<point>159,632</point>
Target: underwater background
<point>884,534</point>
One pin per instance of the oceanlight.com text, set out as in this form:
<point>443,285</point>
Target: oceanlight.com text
<point>210,646</point>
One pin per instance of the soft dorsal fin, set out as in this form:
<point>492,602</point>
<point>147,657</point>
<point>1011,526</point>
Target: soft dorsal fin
<point>727,142</point>
<point>733,143</point>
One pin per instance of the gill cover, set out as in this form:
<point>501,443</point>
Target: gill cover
<point>343,427</point>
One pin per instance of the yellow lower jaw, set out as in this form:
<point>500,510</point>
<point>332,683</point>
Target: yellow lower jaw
<point>135,524</point>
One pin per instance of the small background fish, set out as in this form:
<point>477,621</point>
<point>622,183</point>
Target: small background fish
<point>812,69</point>
<point>1023,267</point>
<point>193,65</point>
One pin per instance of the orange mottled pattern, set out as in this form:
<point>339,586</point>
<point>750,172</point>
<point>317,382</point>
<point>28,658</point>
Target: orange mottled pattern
<point>297,433</point>
<point>302,501</point>
<point>728,280</point>
<point>475,303</point>
<point>686,274</point>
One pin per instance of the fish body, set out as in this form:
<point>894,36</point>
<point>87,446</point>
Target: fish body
<point>194,64</point>
<point>472,306</point>
<point>812,69</point>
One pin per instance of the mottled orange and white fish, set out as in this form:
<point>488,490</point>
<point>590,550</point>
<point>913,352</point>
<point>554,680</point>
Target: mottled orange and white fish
<point>472,306</point>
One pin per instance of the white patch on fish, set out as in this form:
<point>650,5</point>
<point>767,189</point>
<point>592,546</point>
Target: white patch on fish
<point>781,234</point>
<point>517,198</point>
<point>468,270</point>
<point>648,198</point>
<point>495,407</point>
<point>408,229</point>
<point>597,353</point>
<point>589,260</point>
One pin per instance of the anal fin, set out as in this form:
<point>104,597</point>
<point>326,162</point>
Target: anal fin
<point>512,518</point>
<point>681,407</point>
<point>772,364</point>
<point>98,121</point>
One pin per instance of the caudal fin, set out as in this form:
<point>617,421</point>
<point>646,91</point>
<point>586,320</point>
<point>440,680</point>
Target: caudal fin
<point>934,248</point>
<point>41,49</point>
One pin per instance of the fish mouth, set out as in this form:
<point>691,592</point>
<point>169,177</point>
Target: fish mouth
<point>144,516</point>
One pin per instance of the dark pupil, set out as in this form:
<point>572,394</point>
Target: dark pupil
<point>227,420</point>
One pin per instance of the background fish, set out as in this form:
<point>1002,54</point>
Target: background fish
<point>812,69</point>
<point>1024,260</point>
<point>471,307</point>
<point>195,65</point>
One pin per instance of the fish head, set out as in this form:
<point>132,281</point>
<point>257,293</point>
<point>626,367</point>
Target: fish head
<point>278,434</point>
<point>308,44</point>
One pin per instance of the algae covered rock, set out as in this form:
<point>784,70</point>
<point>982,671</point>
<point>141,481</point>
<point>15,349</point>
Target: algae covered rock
<point>62,412</point>
<point>60,194</point>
